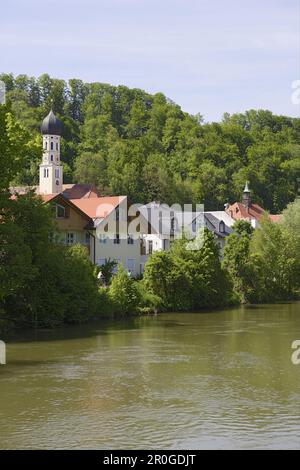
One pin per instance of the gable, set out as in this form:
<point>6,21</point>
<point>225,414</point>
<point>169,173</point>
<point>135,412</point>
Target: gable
<point>67,216</point>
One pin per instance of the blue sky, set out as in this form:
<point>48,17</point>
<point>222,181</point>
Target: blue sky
<point>207,56</point>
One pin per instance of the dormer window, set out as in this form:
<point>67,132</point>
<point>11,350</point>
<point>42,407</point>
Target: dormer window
<point>222,227</point>
<point>60,211</point>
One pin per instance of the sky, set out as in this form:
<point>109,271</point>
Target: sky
<point>209,56</point>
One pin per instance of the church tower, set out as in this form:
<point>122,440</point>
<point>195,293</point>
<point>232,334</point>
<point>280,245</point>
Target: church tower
<point>51,170</point>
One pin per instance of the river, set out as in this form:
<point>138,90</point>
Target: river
<point>217,380</point>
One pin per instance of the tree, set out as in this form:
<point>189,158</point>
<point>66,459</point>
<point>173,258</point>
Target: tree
<point>189,279</point>
<point>279,279</point>
<point>162,277</point>
<point>238,263</point>
<point>139,136</point>
<point>264,265</point>
<point>41,283</point>
<point>14,142</point>
<point>91,168</point>
<point>124,294</point>
<point>107,269</point>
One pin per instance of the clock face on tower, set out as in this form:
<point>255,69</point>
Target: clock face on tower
<point>57,182</point>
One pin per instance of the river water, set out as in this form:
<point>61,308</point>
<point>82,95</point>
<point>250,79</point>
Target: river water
<point>213,380</point>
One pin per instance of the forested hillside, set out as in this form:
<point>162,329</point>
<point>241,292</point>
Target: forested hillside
<point>130,142</point>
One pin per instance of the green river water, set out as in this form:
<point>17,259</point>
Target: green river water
<point>213,380</point>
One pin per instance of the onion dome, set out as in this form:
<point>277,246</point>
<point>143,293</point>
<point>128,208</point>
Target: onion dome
<point>51,125</point>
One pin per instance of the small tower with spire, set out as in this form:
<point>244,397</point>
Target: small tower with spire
<point>51,170</point>
<point>246,195</point>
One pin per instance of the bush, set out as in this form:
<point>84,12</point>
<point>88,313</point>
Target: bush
<point>124,294</point>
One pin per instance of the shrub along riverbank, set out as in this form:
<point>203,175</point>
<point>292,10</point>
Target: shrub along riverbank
<point>43,284</point>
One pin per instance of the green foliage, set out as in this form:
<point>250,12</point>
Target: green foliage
<point>149,302</point>
<point>189,279</point>
<point>164,278</point>
<point>243,227</point>
<point>41,283</point>
<point>237,262</point>
<point>265,265</point>
<point>79,283</point>
<point>108,269</point>
<point>124,294</point>
<point>275,251</point>
<point>130,142</point>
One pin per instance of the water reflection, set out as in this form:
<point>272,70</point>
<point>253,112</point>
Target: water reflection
<point>209,380</point>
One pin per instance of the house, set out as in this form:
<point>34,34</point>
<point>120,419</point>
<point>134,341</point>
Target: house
<point>80,211</point>
<point>247,210</point>
<point>164,224</point>
<point>217,222</point>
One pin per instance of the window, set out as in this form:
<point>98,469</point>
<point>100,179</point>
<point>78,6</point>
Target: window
<point>102,238</point>
<point>173,224</point>
<point>57,173</point>
<point>60,211</point>
<point>46,145</point>
<point>118,261</point>
<point>165,244</point>
<point>51,158</point>
<point>87,238</point>
<point>70,238</point>
<point>45,173</point>
<point>221,227</point>
<point>117,239</point>
<point>51,145</point>
<point>150,247</point>
<point>56,146</point>
<point>130,240</point>
<point>131,264</point>
<point>101,261</point>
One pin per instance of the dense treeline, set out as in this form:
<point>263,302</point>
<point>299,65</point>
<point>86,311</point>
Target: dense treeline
<point>130,142</point>
<point>44,284</point>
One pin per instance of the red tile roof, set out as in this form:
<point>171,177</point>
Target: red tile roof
<point>240,211</point>
<point>70,191</point>
<point>47,197</point>
<point>98,207</point>
<point>79,191</point>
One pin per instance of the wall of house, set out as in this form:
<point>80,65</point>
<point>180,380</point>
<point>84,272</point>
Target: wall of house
<point>71,227</point>
<point>126,254</point>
